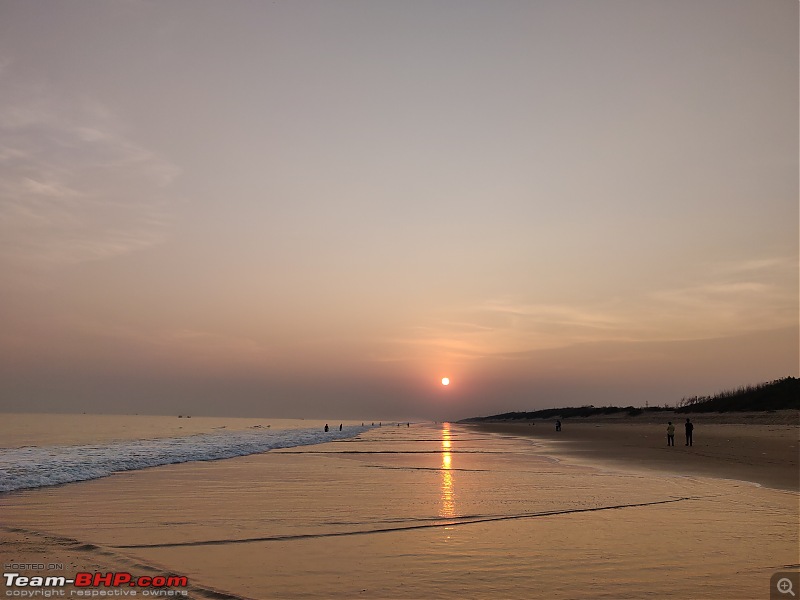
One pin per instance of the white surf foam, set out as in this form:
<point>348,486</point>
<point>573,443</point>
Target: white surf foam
<point>33,467</point>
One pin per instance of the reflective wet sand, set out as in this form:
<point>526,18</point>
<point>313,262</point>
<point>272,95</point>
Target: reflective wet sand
<point>430,511</point>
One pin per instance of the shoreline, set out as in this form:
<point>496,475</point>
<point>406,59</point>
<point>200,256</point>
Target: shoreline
<point>387,515</point>
<point>763,453</point>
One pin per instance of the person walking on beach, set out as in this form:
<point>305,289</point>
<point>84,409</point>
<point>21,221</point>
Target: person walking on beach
<point>670,434</point>
<point>558,425</point>
<point>689,428</point>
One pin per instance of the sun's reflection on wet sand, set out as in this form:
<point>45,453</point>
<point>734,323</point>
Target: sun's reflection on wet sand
<point>448,509</point>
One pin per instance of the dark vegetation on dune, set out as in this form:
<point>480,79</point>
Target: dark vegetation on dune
<point>780,394</point>
<point>775,395</point>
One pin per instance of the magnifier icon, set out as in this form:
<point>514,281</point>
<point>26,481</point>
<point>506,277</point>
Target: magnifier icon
<point>784,586</point>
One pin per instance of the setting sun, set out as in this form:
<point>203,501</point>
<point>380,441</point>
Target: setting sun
<point>445,381</point>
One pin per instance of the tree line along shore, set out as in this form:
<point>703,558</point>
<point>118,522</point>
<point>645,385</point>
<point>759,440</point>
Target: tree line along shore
<point>781,394</point>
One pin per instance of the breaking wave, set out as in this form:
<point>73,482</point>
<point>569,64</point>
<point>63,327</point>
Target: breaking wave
<point>36,466</point>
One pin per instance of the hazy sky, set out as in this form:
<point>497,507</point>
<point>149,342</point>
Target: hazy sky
<point>319,209</point>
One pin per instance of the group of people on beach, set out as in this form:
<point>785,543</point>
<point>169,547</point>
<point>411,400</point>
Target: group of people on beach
<point>688,426</point>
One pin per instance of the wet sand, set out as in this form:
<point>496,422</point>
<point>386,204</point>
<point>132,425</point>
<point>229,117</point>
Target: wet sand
<point>433,511</point>
<point>762,448</point>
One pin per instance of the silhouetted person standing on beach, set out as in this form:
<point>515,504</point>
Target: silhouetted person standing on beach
<point>670,434</point>
<point>689,428</point>
<point>326,427</point>
<point>340,426</point>
<point>558,425</point>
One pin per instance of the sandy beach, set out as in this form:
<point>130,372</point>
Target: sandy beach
<point>267,266</point>
<point>431,511</point>
<point>762,448</point>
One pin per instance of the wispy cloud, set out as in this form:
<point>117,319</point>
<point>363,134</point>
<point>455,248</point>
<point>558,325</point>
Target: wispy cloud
<point>73,186</point>
<point>717,310</point>
<point>786,264</point>
<point>732,300</point>
<point>502,327</point>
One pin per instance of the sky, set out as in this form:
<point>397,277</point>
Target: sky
<point>321,208</point>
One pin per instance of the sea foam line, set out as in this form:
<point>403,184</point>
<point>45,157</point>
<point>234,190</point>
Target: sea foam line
<point>35,466</point>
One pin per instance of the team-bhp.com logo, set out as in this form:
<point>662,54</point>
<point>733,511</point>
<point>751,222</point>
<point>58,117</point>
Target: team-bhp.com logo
<point>95,584</point>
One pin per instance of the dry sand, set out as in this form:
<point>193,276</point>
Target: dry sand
<point>424,513</point>
<point>762,448</point>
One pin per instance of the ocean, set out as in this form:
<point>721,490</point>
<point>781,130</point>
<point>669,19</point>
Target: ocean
<point>430,510</point>
<point>102,445</point>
